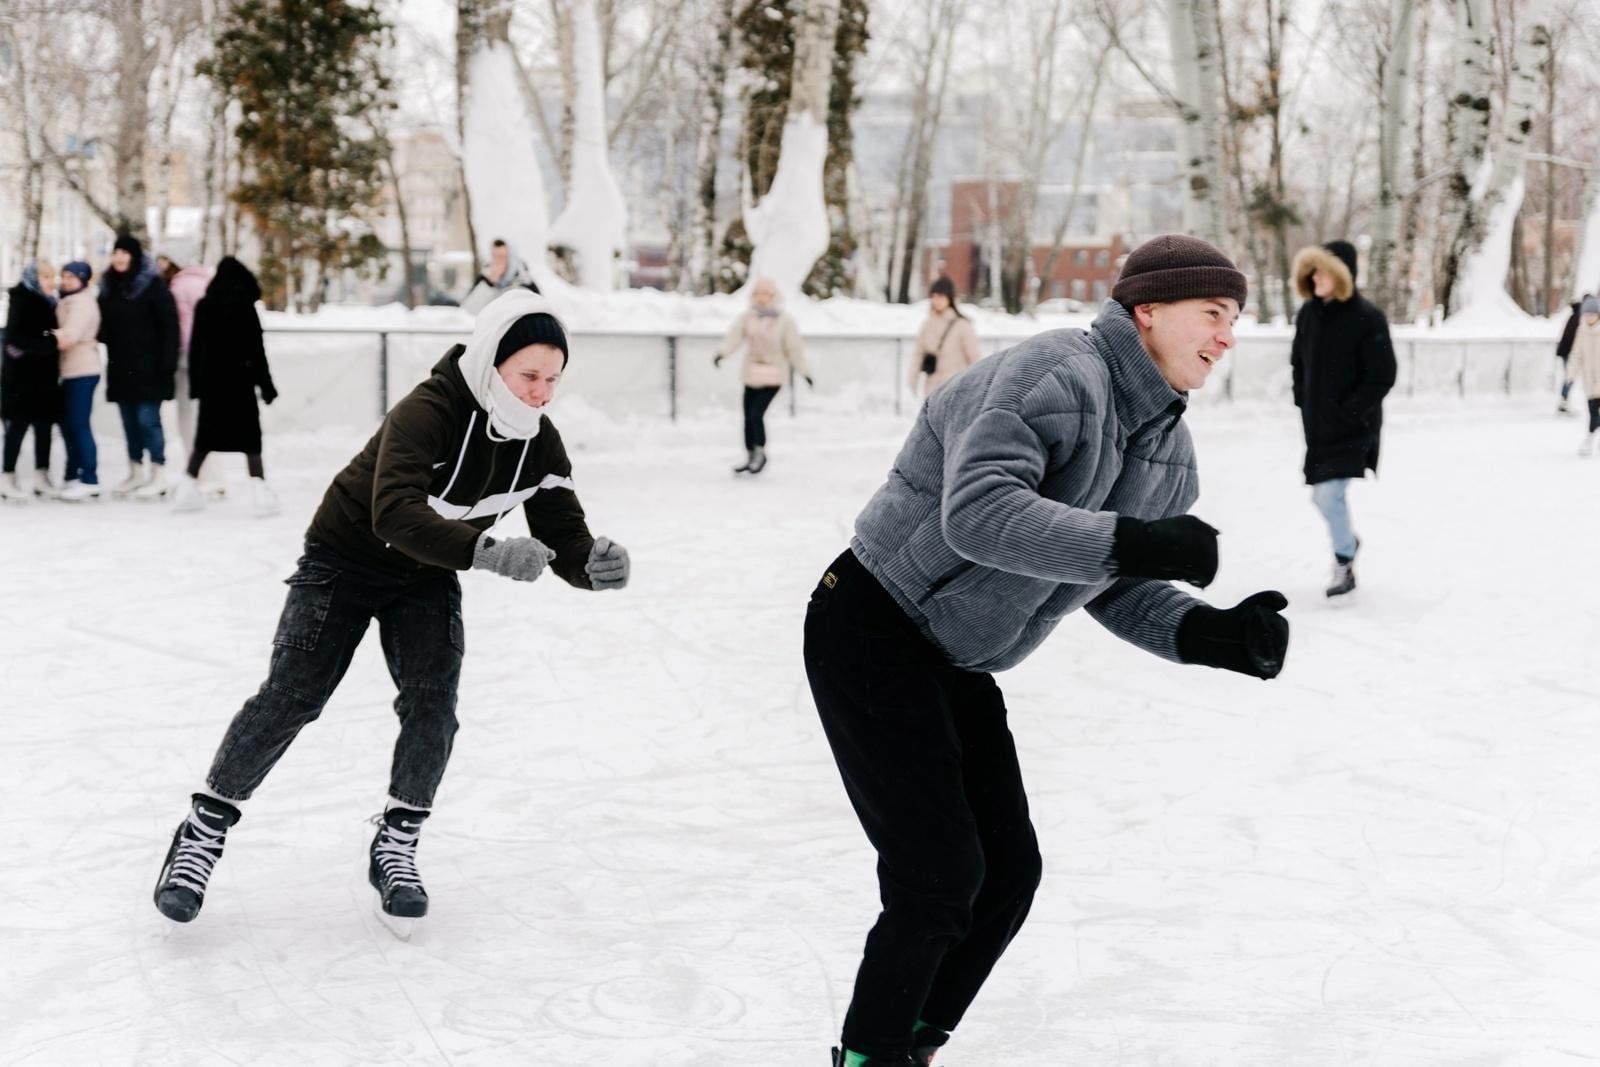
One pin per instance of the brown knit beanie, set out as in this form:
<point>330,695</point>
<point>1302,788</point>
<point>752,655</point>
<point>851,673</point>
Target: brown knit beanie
<point>1175,267</point>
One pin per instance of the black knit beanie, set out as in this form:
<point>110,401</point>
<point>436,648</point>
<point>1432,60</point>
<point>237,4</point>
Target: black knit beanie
<point>540,328</point>
<point>127,242</point>
<point>1176,267</point>
<point>943,286</point>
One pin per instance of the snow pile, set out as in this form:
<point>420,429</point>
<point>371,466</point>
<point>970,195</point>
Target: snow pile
<point>1482,297</point>
<point>594,222</point>
<point>789,228</point>
<point>502,169</point>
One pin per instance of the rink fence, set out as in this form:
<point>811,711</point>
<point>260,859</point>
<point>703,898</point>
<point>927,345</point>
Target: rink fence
<point>348,377</point>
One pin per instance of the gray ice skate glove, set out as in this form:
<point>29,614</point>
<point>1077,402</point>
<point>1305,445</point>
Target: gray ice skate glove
<point>608,565</point>
<point>520,558</point>
<point>1181,548</point>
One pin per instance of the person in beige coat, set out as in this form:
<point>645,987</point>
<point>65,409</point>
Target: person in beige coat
<point>1583,367</point>
<point>771,343</point>
<point>77,330</point>
<point>947,344</point>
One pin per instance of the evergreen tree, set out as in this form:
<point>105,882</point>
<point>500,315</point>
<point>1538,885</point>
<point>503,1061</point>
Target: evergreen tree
<point>312,95</point>
<point>765,30</point>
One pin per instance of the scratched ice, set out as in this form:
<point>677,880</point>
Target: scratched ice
<point>642,854</point>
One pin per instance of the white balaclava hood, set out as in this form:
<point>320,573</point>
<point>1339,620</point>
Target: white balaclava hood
<point>508,416</point>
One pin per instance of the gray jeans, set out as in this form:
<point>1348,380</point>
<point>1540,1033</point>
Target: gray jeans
<point>331,600</point>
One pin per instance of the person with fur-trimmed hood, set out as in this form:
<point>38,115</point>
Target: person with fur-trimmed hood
<point>462,450</point>
<point>1343,362</point>
<point>139,325</point>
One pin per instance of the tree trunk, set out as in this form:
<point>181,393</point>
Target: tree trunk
<point>790,229</point>
<point>1408,253</point>
<point>1547,276</point>
<point>1394,78</point>
<point>1467,122</point>
<point>928,111</point>
<point>1196,79</point>
<point>408,288</point>
<point>708,150</point>
<point>1481,260</point>
<point>136,63</point>
<point>1233,144</point>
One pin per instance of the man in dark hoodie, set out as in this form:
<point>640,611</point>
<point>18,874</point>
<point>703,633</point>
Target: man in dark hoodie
<point>1344,366</point>
<point>415,506</point>
<point>1564,351</point>
<point>139,325</point>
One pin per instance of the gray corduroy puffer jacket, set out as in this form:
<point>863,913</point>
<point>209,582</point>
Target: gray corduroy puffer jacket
<point>998,516</point>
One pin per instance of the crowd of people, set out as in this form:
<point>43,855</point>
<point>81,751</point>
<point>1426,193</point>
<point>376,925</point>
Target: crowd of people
<point>170,333</point>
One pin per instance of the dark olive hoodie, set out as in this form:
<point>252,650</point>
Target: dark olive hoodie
<point>434,477</point>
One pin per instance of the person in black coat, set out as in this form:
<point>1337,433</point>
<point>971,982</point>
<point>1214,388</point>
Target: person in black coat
<point>227,364</point>
<point>1564,349</point>
<point>139,325</point>
<point>1344,366</point>
<point>30,391</point>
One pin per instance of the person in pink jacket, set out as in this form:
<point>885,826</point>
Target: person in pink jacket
<point>188,285</point>
<point>77,333</point>
<point>947,343</point>
<point>771,343</point>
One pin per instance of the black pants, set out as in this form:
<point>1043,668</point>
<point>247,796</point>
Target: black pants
<point>756,402</point>
<point>252,461</point>
<point>931,770</point>
<point>15,431</point>
<point>1594,413</point>
<point>331,600</point>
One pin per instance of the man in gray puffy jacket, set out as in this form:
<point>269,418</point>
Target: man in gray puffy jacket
<point>1049,477</point>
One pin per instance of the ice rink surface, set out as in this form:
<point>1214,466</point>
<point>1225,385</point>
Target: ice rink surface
<point>642,856</point>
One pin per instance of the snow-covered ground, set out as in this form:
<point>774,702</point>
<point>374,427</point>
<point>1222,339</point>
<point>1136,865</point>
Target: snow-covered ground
<point>642,854</point>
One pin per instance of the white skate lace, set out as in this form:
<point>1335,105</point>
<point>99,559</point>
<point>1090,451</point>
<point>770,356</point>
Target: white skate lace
<point>396,855</point>
<point>199,848</point>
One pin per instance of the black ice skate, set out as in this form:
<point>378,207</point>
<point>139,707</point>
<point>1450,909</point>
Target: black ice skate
<point>758,460</point>
<point>744,468</point>
<point>393,867</point>
<point>196,847</point>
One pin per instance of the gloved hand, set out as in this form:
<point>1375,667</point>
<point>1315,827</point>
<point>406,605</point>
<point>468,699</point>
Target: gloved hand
<point>1251,637</point>
<point>716,360</point>
<point>268,394</point>
<point>608,565</point>
<point>519,558</point>
<point>1182,548</point>
<point>809,383</point>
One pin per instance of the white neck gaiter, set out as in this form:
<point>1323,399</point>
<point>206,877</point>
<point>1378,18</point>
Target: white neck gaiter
<point>508,416</point>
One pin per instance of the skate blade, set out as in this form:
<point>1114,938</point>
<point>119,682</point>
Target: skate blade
<point>402,928</point>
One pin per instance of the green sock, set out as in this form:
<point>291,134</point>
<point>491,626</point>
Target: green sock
<point>927,1035</point>
<point>853,1059</point>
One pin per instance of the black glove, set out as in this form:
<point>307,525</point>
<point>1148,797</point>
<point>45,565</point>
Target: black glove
<point>716,360</point>
<point>268,394</point>
<point>809,383</point>
<point>1182,548</point>
<point>1251,638</point>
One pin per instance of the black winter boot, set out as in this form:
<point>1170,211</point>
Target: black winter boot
<point>196,847</point>
<point>749,458</point>
<point>758,459</point>
<point>393,867</point>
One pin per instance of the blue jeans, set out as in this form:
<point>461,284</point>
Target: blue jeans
<point>78,402</point>
<point>1329,497</point>
<point>331,602</point>
<point>141,423</point>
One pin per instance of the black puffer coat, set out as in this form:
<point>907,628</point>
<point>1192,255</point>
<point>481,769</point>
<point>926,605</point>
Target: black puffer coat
<point>30,367</point>
<point>139,325</point>
<point>1343,368</point>
<point>228,362</point>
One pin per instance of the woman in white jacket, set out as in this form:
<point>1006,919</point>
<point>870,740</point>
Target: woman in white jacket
<point>947,344</point>
<point>771,344</point>
<point>1583,367</point>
